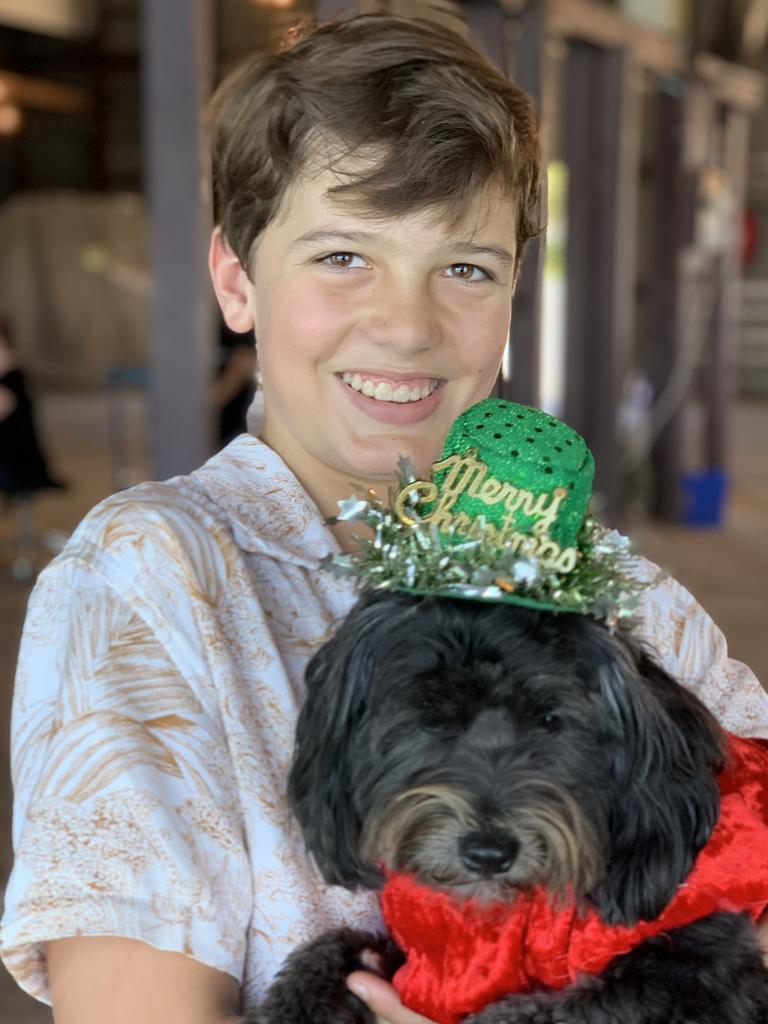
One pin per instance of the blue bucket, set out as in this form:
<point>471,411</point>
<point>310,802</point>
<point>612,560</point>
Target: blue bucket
<point>704,497</point>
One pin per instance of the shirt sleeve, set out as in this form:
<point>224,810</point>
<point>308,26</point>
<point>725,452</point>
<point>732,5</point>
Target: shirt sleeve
<point>693,650</point>
<point>125,818</point>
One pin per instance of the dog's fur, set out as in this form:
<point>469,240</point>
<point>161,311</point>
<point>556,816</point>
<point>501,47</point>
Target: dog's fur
<point>436,730</point>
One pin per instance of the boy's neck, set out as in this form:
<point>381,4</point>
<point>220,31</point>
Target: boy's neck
<point>327,488</point>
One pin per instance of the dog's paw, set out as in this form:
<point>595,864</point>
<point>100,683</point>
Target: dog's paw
<point>311,986</point>
<point>539,1008</point>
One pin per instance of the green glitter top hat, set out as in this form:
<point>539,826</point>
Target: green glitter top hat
<point>504,517</point>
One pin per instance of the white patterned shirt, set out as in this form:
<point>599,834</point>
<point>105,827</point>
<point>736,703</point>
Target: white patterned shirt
<point>159,680</point>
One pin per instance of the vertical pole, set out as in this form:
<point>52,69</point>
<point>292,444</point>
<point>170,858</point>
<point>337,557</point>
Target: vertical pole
<point>178,68</point>
<point>671,230</point>
<point>491,29</point>
<point>486,22</point>
<point>719,378</point>
<point>593,103</point>
<point>327,10</point>
<point>525,340</point>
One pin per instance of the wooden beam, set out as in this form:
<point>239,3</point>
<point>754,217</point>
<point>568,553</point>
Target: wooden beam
<point>719,378</point>
<point>43,94</point>
<point>331,10</point>
<point>602,25</point>
<point>524,382</point>
<point>593,103</point>
<point>672,213</point>
<point>718,371</point>
<point>605,26</point>
<point>737,87</point>
<point>178,63</point>
<point>514,44</point>
<point>486,23</point>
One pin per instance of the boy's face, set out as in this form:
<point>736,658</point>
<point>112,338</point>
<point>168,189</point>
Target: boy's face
<point>374,333</point>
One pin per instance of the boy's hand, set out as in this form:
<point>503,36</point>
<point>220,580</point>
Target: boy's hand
<point>762,931</point>
<point>382,999</point>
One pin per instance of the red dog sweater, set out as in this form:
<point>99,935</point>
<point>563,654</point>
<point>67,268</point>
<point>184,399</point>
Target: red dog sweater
<point>461,956</point>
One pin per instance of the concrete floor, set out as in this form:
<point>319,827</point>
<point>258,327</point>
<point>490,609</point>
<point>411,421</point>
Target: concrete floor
<point>727,569</point>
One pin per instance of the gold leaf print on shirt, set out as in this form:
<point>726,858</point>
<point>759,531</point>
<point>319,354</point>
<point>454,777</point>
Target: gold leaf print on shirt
<point>90,753</point>
<point>134,672</point>
<point>168,722</point>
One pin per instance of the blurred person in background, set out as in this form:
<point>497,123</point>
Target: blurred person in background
<point>23,465</point>
<point>375,185</point>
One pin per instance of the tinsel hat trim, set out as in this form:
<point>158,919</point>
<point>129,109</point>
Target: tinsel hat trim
<point>503,518</point>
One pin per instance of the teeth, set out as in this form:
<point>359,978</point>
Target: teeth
<point>385,392</point>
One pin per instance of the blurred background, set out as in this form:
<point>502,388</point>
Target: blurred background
<point>641,317</point>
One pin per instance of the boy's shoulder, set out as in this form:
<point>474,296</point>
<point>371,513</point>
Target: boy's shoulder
<point>244,498</point>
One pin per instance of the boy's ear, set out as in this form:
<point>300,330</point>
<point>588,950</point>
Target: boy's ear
<point>230,282</point>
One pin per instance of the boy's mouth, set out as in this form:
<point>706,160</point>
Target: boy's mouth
<point>384,389</point>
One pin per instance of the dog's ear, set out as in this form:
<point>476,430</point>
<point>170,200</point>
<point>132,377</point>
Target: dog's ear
<point>320,787</point>
<point>665,799</point>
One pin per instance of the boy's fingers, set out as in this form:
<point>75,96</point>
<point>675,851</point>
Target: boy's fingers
<point>762,934</point>
<point>382,998</point>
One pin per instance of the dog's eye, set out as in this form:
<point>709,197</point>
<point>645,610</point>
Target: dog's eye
<point>551,722</point>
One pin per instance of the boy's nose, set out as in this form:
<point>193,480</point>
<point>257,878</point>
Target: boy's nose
<point>404,321</point>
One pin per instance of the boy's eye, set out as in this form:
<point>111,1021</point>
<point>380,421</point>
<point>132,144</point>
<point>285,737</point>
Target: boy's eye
<point>341,260</point>
<point>469,272</point>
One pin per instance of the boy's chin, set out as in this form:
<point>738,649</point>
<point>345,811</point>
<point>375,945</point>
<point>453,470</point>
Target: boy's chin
<point>380,462</point>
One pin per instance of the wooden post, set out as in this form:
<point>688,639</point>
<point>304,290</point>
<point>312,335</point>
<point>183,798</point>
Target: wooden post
<point>514,45</point>
<point>525,340</point>
<point>593,103</point>
<point>719,377</point>
<point>328,10</point>
<point>178,72</point>
<point>674,192</point>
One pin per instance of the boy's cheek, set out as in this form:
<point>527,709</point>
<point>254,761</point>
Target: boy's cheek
<point>482,353</point>
<point>304,334</point>
<point>305,325</point>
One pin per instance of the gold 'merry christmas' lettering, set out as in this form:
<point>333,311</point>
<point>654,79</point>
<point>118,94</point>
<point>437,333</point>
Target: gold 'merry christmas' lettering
<point>469,475</point>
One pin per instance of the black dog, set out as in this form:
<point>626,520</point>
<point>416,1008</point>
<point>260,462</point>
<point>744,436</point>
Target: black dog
<point>487,749</point>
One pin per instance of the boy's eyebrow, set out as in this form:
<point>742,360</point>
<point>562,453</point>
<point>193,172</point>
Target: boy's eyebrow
<point>331,235</point>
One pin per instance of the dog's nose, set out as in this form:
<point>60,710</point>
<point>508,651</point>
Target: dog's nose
<point>488,853</point>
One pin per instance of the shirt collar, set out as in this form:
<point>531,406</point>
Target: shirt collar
<point>264,504</point>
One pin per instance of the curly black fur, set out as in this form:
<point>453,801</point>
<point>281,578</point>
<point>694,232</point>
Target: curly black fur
<point>485,748</point>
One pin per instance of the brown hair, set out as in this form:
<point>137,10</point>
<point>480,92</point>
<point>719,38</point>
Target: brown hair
<point>445,122</point>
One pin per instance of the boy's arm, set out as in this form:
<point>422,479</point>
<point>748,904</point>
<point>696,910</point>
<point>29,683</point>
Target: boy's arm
<point>124,981</point>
